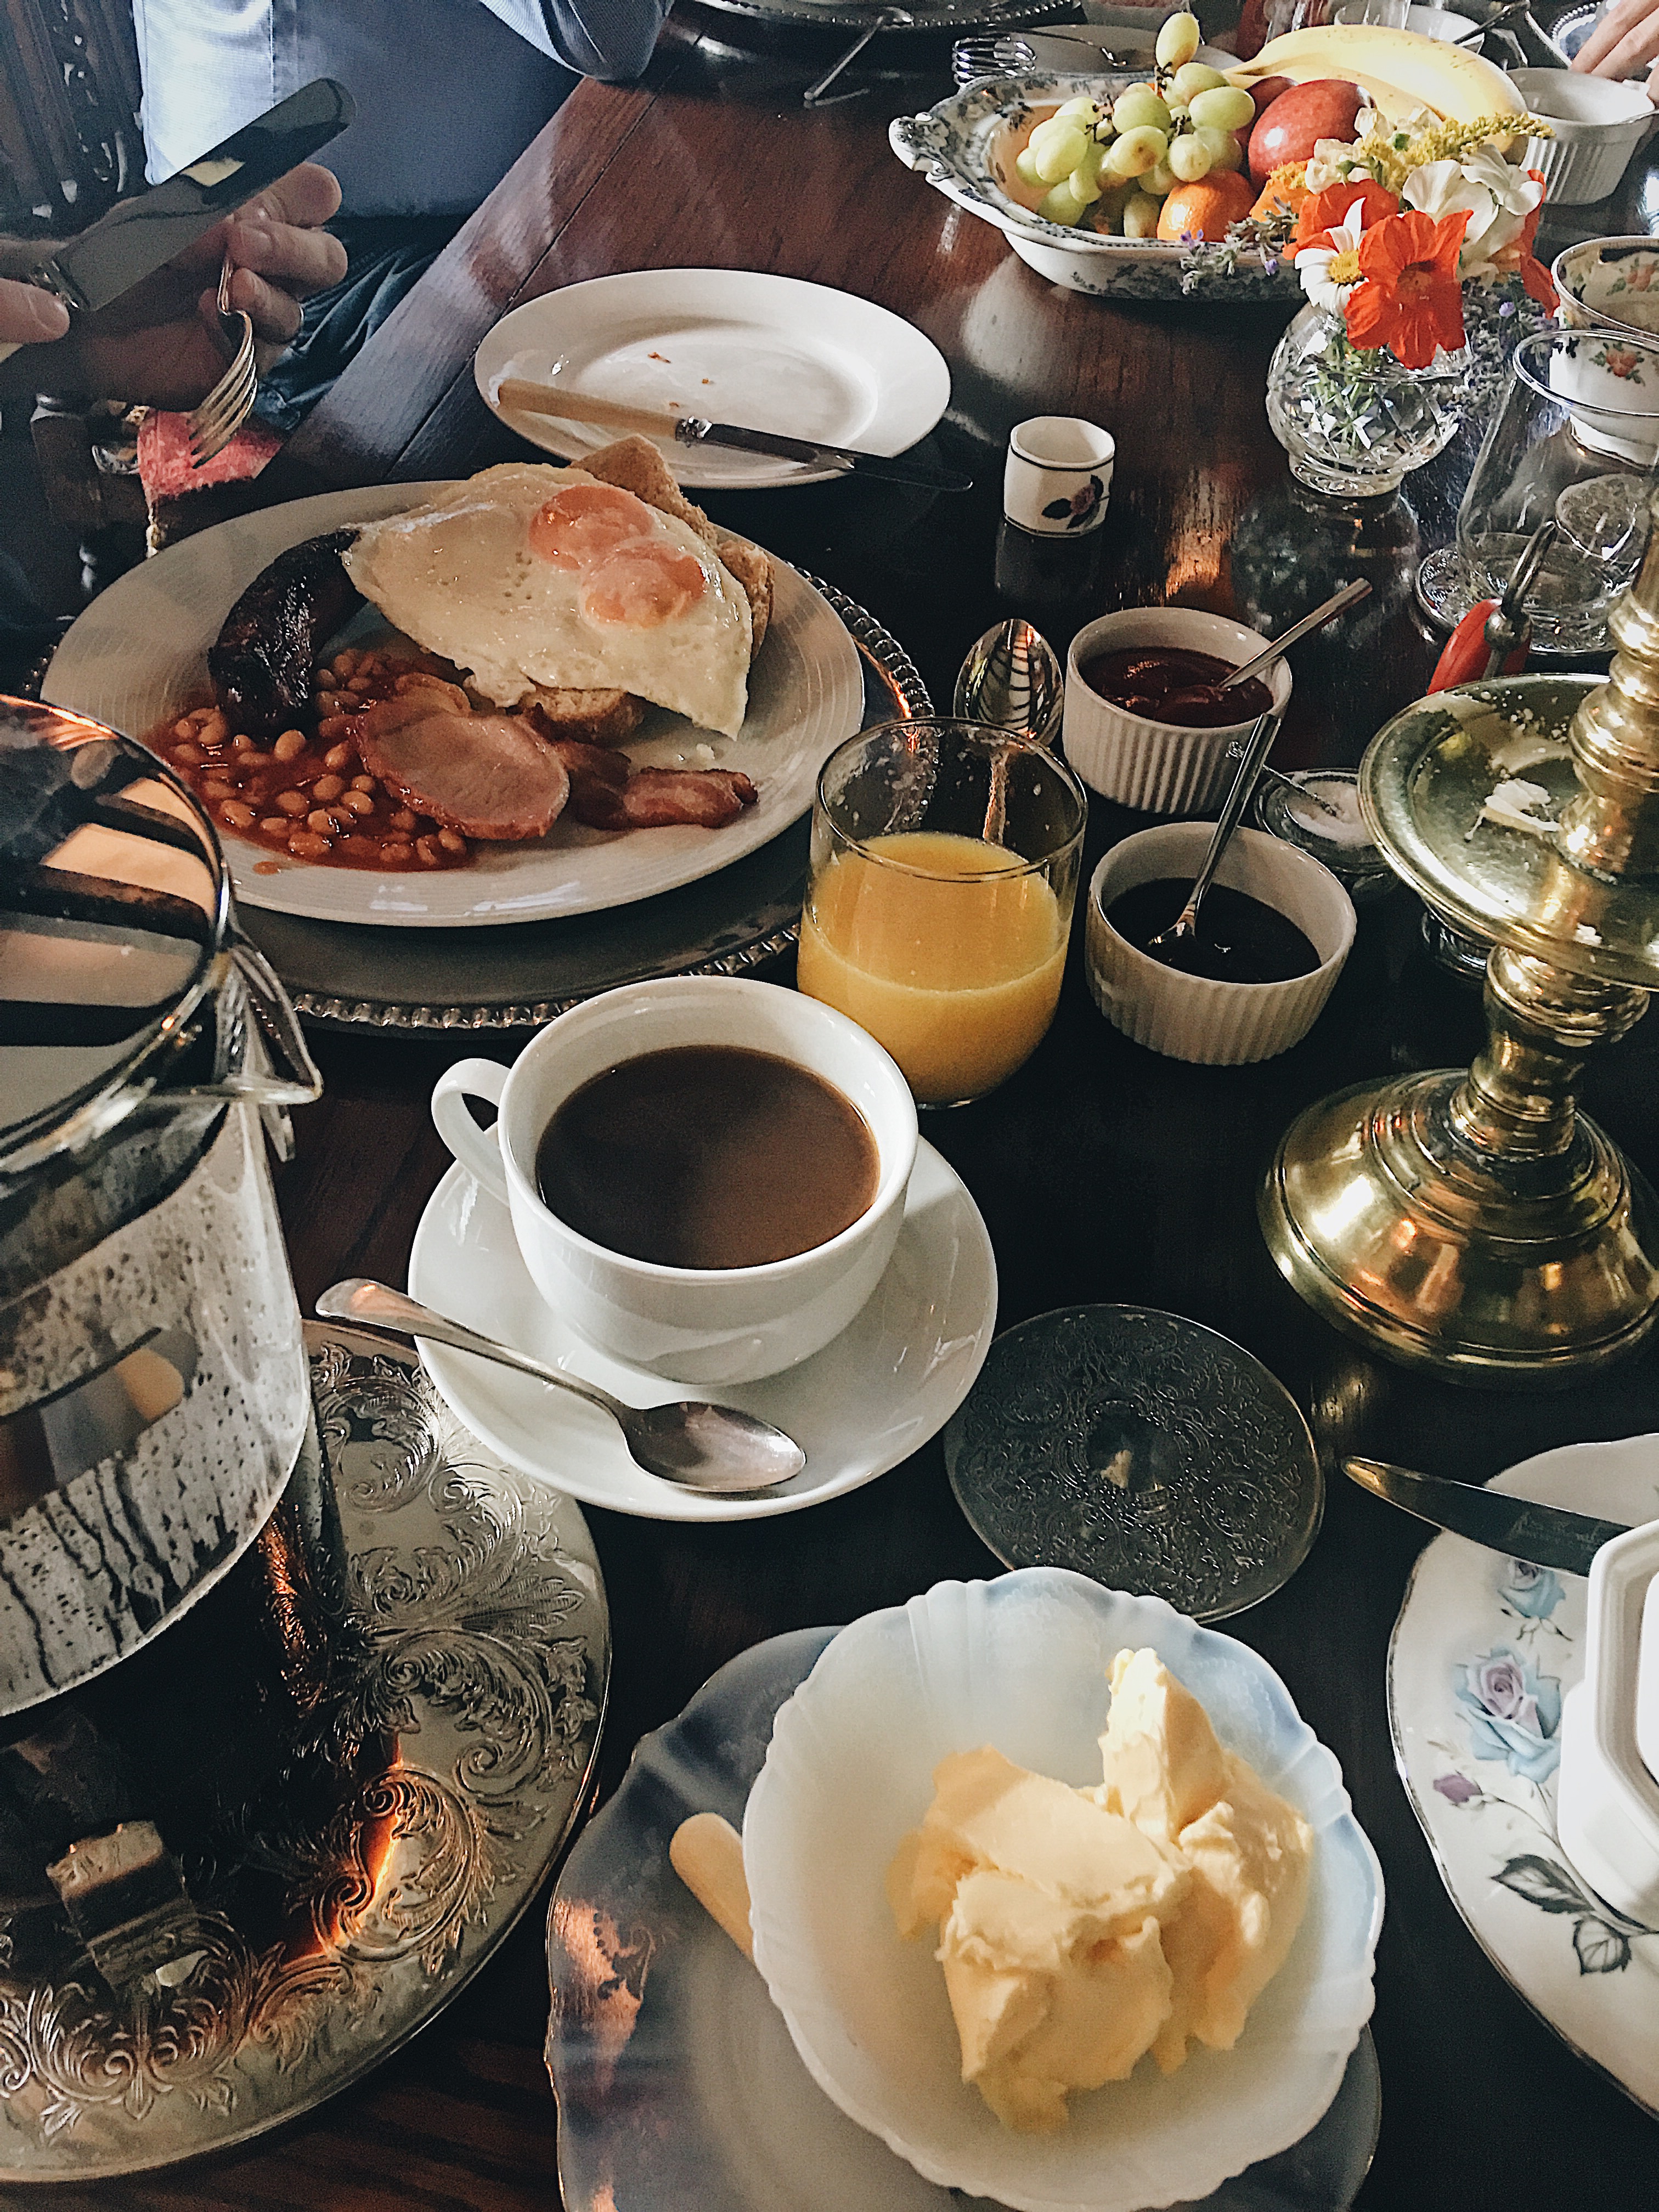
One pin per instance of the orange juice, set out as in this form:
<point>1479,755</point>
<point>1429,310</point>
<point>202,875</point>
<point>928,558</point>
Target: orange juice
<point>955,970</point>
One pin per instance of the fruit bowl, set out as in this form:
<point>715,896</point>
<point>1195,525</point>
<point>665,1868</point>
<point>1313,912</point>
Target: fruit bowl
<point>965,147</point>
<point>1021,1663</point>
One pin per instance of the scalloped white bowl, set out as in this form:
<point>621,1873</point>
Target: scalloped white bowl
<point>1021,1663</point>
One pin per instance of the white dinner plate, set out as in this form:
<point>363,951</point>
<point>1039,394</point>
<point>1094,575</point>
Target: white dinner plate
<point>887,1383</point>
<point>1483,1653</point>
<point>735,346</point>
<point>139,653</point>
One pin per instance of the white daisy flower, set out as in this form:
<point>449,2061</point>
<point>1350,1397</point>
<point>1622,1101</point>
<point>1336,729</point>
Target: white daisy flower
<point>1329,273</point>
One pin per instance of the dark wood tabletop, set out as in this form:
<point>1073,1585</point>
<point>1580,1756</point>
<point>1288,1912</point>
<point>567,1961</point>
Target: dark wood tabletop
<point>1103,1172</point>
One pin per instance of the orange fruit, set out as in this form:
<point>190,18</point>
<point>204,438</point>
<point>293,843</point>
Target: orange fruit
<point>1205,210</point>
<point>1285,188</point>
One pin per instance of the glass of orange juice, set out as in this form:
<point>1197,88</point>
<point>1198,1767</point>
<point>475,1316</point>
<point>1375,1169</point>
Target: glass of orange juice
<point>944,871</point>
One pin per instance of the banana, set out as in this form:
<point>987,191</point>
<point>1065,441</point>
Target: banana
<point>1419,72</point>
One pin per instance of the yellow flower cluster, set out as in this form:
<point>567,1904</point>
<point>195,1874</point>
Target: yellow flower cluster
<point>1391,156</point>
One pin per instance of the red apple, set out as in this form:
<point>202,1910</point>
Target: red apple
<point>1291,127</point>
<point>1266,90</point>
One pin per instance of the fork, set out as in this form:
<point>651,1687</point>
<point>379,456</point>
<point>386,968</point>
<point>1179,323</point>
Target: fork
<point>1008,55</point>
<point>228,406</point>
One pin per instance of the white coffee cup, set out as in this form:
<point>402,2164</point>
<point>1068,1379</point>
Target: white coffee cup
<point>692,1324</point>
<point>1057,480</point>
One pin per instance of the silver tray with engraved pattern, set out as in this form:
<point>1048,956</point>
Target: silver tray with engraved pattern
<point>1142,1450</point>
<point>519,975</point>
<point>408,1676</point>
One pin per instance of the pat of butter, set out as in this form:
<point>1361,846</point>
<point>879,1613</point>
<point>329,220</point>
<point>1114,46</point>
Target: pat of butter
<point>1080,1928</point>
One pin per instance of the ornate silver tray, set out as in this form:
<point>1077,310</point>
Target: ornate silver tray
<point>521,975</point>
<point>437,1653</point>
<point>920,16</point>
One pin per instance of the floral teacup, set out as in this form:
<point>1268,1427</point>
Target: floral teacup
<point>1614,381</point>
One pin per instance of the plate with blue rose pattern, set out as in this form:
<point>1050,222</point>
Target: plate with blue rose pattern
<point>1483,1651</point>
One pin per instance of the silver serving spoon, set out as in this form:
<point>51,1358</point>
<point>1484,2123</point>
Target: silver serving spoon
<point>1012,679</point>
<point>1337,604</point>
<point>700,1446</point>
<point>1185,924</point>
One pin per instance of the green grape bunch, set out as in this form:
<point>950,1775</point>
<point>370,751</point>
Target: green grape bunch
<point>1107,165</point>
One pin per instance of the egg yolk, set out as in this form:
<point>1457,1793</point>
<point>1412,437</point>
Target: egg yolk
<point>583,523</point>
<point>640,586</point>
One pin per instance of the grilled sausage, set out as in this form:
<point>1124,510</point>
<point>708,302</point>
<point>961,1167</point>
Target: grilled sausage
<point>263,662</point>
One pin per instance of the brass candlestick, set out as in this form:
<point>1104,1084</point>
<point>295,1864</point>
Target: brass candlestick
<point>1475,1222</point>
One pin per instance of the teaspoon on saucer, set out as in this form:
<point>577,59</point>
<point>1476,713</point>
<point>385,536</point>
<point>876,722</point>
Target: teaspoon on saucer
<point>698,1445</point>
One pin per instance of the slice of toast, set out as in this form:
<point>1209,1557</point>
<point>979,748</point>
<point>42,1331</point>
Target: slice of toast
<point>635,464</point>
<point>595,718</point>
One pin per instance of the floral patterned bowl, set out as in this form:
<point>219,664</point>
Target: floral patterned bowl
<point>1609,283</point>
<point>965,147</point>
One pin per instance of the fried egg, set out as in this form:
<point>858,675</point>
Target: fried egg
<point>531,576</point>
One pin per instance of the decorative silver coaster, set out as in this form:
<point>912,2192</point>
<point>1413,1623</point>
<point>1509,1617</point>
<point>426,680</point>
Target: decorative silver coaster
<point>415,1657</point>
<point>1140,1448</point>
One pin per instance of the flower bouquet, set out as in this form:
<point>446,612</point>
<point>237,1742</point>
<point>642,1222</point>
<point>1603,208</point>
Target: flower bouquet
<point>1395,238</point>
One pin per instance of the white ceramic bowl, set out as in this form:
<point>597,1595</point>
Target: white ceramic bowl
<point>693,1324</point>
<point>1606,1804</point>
<point>1157,767</point>
<point>1427,22</point>
<point>1599,125</point>
<point>1189,1016</point>
<point>1020,1662</point>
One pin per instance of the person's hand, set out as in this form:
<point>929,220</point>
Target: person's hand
<point>162,344</point>
<point>29,316</point>
<point>1623,43</point>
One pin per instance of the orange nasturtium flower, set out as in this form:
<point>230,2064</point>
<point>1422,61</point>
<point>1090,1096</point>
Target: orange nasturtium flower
<point>1410,300</point>
<point>1320,211</point>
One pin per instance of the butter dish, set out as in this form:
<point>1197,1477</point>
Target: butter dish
<point>1021,1663</point>
<point>676,2081</point>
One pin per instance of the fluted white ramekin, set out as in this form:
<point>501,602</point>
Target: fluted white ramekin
<point>1190,1016</point>
<point>1599,123</point>
<point>1157,767</point>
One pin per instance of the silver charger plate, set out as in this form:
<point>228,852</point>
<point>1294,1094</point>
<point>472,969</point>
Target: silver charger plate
<point>922,15</point>
<point>521,975</point>
<point>460,1676</point>
<point>677,2083</point>
<point>1142,1450</point>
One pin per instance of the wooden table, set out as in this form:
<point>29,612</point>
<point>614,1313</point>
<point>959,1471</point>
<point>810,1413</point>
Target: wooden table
<point>1103,1172</point>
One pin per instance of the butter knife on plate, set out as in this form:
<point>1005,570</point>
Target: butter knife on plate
<point>567,406</point>
<point>1546,1535</point>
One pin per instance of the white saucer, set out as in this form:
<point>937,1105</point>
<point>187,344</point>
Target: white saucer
<point>1483,1653</point>
<point>735,346</point>
<point>861,1404</point>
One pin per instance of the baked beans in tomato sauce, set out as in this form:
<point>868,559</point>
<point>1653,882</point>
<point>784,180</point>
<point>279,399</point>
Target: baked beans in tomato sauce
<point>305,794</point>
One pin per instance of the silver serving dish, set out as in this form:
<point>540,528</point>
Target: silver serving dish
<point>364,1751</point>
<point>920,16</point>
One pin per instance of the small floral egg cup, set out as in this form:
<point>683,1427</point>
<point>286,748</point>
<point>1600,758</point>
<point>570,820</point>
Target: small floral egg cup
<point>1058,477</point>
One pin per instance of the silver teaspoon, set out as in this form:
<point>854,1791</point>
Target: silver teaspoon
<point>700,1446</point>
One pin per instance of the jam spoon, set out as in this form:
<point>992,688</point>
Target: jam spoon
<point>700,1446</point>
<point>1184,928</point>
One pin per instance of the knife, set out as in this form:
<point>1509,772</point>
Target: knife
<point>696,430</point>
<point>138,236</point>
<point>1546,1535</point>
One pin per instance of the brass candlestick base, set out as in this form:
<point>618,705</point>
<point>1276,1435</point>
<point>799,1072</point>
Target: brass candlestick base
<point>1475,1223</point>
